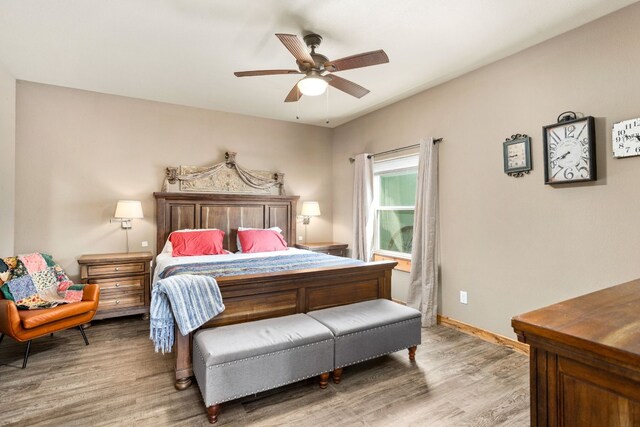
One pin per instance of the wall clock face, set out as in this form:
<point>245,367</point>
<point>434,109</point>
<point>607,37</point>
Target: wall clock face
<point>625,138</point>
<point>569,151</point>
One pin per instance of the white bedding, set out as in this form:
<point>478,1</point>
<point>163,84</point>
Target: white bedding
<point>165,260</point>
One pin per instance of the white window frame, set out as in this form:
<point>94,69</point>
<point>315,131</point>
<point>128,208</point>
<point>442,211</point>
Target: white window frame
<point>383,167</point>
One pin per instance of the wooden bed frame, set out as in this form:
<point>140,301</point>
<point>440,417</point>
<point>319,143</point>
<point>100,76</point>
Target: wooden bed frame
<point>260,296</point>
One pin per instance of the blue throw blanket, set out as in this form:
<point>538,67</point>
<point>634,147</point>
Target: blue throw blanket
<point>192,300</point>
<point>259,265</point>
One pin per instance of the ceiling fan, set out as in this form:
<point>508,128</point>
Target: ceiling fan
<point>318,68</point>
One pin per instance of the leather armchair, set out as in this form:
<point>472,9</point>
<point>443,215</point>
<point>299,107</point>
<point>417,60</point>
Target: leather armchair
<point>25,325</point>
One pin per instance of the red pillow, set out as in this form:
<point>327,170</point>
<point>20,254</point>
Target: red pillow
<point>205,242</point>
<point>261,241</point>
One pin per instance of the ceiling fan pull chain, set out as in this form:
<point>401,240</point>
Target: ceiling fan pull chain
<point>298,104</point>
<point>327,106</point>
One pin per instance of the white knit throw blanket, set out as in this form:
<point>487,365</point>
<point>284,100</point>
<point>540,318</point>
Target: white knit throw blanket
<point>192,300</point>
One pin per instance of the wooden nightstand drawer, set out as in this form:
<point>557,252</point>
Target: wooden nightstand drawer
<point>115,268</point>
<point>121,284</point>
<point>337,252</point>
<point>107,302</point>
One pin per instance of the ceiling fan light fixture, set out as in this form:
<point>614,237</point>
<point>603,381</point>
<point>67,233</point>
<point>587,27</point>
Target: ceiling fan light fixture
<point>312,85</point>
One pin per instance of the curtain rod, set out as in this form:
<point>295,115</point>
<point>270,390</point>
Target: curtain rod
<point>395,150</point>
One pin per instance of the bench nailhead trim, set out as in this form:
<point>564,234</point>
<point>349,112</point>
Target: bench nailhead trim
<point>265,389</point>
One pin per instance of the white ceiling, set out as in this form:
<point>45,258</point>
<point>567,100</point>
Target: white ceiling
<point>185,51</point>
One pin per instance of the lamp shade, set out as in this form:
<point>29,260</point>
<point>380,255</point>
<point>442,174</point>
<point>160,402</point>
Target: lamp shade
<point>310,209</point>
<point>128,209</point>
<point>312,85</point>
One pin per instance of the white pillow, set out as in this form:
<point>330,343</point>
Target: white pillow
<point>278,229</point>
<point>168,247</point>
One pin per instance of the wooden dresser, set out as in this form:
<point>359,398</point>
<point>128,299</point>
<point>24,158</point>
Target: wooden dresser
<point>124,282</point>
<point>585,359</point>
<point>330,248</point>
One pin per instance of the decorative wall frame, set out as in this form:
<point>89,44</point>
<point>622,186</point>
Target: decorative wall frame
<point>516,152</point>
<point>223,177</point>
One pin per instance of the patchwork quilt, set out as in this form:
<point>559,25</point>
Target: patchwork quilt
<point>36,281</point>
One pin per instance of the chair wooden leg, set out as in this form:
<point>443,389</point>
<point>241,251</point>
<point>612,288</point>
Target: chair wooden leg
<point>86,341</point>
<point>26,354</point>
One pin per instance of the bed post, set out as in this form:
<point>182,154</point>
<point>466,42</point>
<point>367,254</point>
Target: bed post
<point>184,369</point>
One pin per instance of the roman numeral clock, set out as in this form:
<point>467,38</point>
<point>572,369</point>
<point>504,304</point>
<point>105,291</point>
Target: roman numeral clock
<point>569,150</point>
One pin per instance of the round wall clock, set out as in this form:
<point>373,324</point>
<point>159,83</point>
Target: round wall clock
<point>569,151</point>
<point>625,138</point>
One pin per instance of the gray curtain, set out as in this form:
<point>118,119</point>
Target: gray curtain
<point>363,208</point>
<point>423,287</point>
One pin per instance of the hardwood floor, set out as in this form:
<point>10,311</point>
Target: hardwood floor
<point>457,380</point>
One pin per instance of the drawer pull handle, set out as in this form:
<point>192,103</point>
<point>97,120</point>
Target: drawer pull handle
<point>117,301</point>
<point>117,268</point>
<point>117,285</point>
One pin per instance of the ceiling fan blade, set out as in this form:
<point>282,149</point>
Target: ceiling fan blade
<point>297,48</point>
<point>264,72</point>
<point>294,95</point>
<point>358,61</point>
<point>347,86</point>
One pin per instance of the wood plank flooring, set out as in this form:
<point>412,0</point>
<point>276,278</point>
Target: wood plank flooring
<point>457,380</point>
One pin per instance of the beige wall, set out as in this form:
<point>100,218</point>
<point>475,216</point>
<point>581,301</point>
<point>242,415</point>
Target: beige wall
<point>7,167</point>
<point>517,244</point>
<point>79,152</point>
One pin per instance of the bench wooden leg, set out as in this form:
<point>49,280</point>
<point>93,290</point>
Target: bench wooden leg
<point>212,413</point>
<point>412,352</point>
<point>324,380</point>
<point>337,375</point>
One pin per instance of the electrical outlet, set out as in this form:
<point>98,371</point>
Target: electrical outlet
<point>463,297</point>
<point>145,243</point>
<point>299,238</point>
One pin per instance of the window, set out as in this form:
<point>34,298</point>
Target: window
<point>395,184</point>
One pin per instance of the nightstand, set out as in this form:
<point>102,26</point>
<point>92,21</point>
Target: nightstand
<point>124,282</point>
<point>330,248</point>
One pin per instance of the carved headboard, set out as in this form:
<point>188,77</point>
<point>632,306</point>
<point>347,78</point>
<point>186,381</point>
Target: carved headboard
<point>227,212</point>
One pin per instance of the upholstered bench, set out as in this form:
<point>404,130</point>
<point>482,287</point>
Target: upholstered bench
<point>233,361</point>
<point>370,329</point>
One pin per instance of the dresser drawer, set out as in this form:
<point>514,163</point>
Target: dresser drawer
<point>115,268</point>
<point>114,302</point>
<point>124,284</point>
